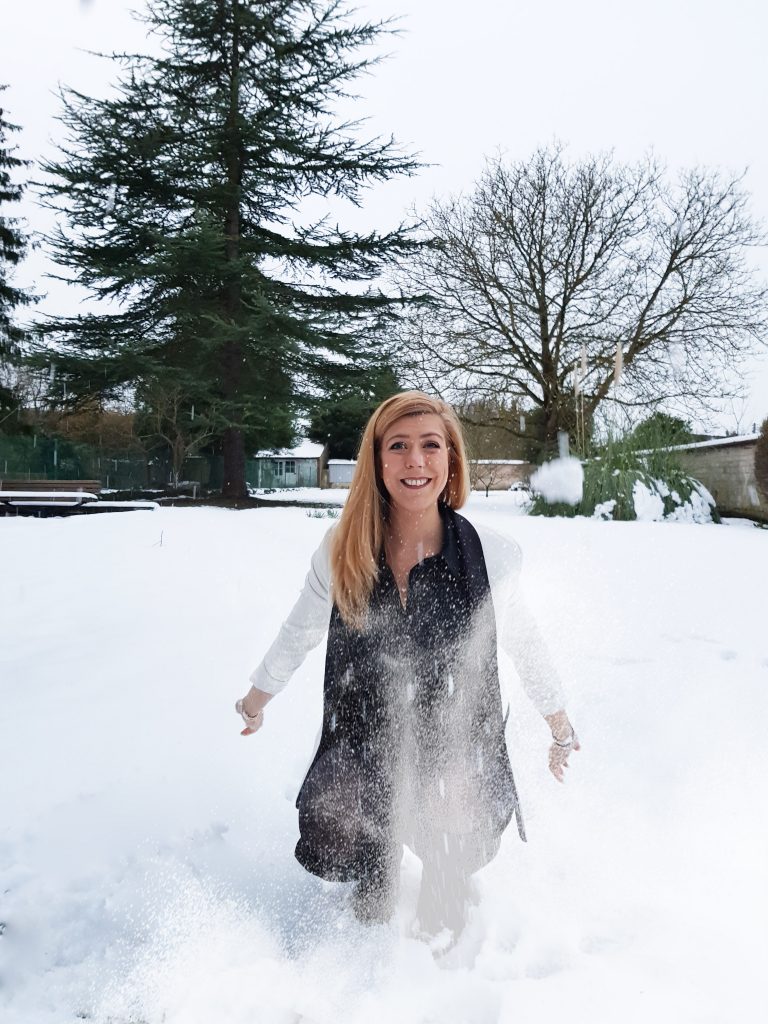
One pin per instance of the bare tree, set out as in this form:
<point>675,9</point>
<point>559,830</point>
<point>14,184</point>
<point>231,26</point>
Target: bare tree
<point>483,473</point>
<point>494,428</point>
<point>169,418</point>
<point>548,269</point>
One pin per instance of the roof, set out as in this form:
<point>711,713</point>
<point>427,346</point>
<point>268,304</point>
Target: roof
<point>716,442</point>
<point>499,462</point>
<point>303,450</point>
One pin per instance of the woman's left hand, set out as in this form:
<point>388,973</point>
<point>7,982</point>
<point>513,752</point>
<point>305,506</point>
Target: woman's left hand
<point>251,710</point>
<point>564,741</point>
<point>558,756</point>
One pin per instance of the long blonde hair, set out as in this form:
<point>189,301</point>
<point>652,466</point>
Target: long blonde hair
<point>359,537</point>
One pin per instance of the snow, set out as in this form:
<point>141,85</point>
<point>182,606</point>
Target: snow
<point>649,504</point>
<point>303,495</point>
<point>512,501</point>
<point>559,480</point>
<point>146,848</point>
<point>716,442</point>
<point>604,509</point>
<point>648,498</point>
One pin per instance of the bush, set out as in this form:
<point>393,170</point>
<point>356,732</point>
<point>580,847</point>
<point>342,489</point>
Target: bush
<point>623,482</point>
<point>761,461</point>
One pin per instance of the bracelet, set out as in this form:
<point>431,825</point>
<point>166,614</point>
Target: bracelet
<point>249,720</point>
<point>568,743</point>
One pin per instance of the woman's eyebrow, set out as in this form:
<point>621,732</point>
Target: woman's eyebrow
<point>407,437</point>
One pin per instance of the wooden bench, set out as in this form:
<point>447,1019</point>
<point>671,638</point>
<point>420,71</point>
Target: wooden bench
<point>91,486</point>
<point>60,497</point>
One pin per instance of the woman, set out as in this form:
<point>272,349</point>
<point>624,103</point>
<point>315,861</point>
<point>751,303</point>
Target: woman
<point>415,601</point>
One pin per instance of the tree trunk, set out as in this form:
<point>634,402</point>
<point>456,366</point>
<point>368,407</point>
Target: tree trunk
<point>233,484</point>
<point>178,461</point>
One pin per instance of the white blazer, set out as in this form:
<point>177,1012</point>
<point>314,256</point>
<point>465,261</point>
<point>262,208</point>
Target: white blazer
<point>517,634</point>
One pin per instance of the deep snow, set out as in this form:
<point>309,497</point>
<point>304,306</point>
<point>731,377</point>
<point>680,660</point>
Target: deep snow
<point>146,862</point>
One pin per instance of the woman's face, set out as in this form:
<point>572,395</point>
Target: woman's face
<point>414,460</point>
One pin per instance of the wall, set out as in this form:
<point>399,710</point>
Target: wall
<point>498,476</point>
<point>728,472</point>
<point>340,474</point>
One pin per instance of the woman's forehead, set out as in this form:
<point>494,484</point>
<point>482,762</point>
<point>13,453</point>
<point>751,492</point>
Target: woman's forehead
<point>416,425</point>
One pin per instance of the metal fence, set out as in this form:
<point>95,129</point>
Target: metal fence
<point>35,457</point>
<point>25,457</point>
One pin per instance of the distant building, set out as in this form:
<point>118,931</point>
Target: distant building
<point>301,466</point>
<point>340,472</point>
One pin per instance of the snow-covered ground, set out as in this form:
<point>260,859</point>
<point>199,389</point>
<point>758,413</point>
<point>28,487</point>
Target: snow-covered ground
<point>146,864</point>
<point>303,495</point>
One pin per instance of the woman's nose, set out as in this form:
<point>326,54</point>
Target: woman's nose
<point>414,458</point>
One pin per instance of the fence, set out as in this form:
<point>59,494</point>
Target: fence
<point>35,457</point>
<point>25,457</point>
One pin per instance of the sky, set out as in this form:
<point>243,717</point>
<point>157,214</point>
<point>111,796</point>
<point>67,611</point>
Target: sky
<point>686,79</point>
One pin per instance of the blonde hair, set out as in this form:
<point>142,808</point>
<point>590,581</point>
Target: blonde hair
<point>359,537</point>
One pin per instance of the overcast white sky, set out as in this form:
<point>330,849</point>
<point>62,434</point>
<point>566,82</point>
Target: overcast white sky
<point>687,78</point>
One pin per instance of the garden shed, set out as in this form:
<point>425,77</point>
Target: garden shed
<point>288,467</point>
<point>340,472</point>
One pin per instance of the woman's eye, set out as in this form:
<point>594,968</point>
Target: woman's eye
<point>431,444</point>
<point>397,446</point>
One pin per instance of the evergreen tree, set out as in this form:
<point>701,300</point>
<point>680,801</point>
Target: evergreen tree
<point>340,419</point>
<point>13,246</point>
<point>182,194</point>
<point>660,430</point>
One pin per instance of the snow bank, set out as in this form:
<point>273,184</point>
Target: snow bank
<point>302,495</point>
<point>146,848</point>
<point>650,506</point>
<point>559,480</point>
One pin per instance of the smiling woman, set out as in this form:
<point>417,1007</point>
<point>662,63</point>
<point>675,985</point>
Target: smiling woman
<point>414,460</point>
<point>411,460</point>
<point>416,602</point>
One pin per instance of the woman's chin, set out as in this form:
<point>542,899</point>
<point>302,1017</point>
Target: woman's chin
<point>417,500</point>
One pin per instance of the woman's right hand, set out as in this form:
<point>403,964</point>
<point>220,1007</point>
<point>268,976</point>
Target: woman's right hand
<point>251,710</point>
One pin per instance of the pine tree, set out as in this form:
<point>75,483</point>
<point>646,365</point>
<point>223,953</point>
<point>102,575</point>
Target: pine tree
<point>339,420</point>
<point>13,247</point>
<point>182,194</point>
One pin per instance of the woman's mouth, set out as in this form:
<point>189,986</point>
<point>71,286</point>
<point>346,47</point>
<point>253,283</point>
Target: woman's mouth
<point>414,483</point>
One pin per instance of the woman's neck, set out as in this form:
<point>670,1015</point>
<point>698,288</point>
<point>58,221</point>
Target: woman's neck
<point>414,534</point>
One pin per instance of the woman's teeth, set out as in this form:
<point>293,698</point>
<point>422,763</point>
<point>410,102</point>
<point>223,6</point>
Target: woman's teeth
<point>416,482</point>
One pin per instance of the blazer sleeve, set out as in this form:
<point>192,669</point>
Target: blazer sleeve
<point>518,633</point>
<point>304,628</point>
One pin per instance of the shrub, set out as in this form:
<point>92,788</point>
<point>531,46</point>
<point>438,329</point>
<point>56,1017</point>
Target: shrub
<point>623,482</point>
<point>761,461</point>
